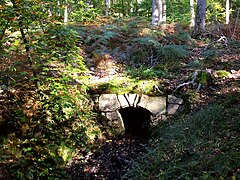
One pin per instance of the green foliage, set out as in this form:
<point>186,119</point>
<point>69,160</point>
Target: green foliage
<point>234,44</point>
<point>215,11</point>
<point>174,53</point>
<point>178,11</point>
<point>195,146</point>
<point>83,11</point>
<point>46,124</point>
<point>209,54</point>
<point>145,50</point>
<point>144,72</point>
<point>223,73</point>
<point>145,9</point>
<point>104,37</point>
<point>180,37</point>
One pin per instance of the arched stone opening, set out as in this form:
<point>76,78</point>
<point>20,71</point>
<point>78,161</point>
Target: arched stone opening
<point>136,120</point>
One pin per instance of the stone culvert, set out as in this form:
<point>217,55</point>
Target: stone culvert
<point>133,113</point>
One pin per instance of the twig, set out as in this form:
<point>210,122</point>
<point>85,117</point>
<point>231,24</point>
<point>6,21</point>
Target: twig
<point>193,81</point>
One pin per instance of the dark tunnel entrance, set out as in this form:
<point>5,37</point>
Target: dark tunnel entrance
<point>136,120</point>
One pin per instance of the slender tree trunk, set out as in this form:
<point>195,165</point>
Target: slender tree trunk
<point>136,7</point>
<point>25,41</point>
<point>59,9</point>
<point>192,21</point>
<point>123,9</point>
<point>107,4</point>
<point>3,30</point>
<point>200,17</point>
<point>157,11</point>
<point>21,28</point>
<point>164,13</point>
<point>65,13</point>
<point>227,11</point>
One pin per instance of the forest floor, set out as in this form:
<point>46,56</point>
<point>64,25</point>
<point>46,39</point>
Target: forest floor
<point>114,158</point>
<point>117,155</point>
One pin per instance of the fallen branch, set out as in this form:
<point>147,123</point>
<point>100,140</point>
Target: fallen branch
<point>197,80</point>
<point>192,82</point>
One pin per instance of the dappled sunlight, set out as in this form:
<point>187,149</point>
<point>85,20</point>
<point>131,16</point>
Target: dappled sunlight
<point>52,72</point>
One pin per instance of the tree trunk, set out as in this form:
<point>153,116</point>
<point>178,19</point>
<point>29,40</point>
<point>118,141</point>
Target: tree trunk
<point>59,8</point>
<point>200,17</point>
<point>65,13</point>
<point>164,13</point>
<point>107,4</point>
<point>227,11</point>
<point>157,12</point>
<point>192,21</point>
<point>123,9</point>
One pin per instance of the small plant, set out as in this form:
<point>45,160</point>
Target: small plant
<point>174,53</point>
<point>144,72</point>
<point>145,50</point>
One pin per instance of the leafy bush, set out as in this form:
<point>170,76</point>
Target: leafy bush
<point>53,121</point>
<point>180,37</point>
<point>144,50</point>
<point>174,53</point>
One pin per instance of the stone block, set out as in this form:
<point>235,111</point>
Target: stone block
<point>123,101</point>
<point>115,122</point>
<point>156,105</point>
<point>133,99</point>
<point>174,100</point>
<point>143,101</point>
<point>112,115</point>
<point>108,102</point>
<point>174,109</point>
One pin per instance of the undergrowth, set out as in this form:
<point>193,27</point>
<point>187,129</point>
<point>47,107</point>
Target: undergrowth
<point>47,117</point>
<point>201,145</point>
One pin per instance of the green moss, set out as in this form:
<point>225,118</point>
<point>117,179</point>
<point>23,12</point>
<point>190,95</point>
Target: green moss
<point>223,73</point>
<point>122,85</point>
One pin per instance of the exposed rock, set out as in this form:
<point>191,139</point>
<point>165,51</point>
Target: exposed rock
<point>123,101</point>
<point>156,105</point>
<point>113,115</point>
<point>108,102</point>
<point>133,99</point>
<point>128,100</point>
<point>174,109</point>
<point>143,101</point>
<point>174,100</point>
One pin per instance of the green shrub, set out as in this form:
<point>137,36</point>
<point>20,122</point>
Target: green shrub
<point>144,72</point>
<point>144,50</point>
<point>63,123</point>
<point>174,53</point>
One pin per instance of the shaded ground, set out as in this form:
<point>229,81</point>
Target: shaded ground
<point>111,161</point>
<point>116,156</point>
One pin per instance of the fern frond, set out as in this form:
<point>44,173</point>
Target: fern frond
<point>146,41</point>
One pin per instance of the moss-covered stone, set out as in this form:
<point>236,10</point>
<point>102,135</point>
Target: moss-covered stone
<point>223,73</point>
<point>125,85</point>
